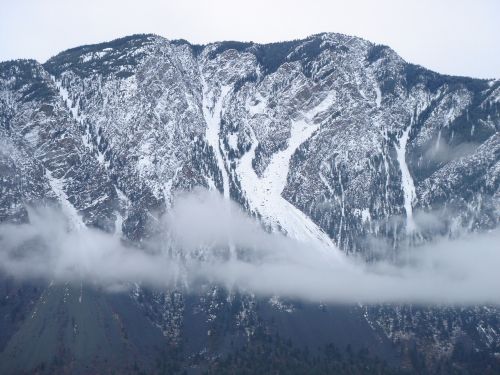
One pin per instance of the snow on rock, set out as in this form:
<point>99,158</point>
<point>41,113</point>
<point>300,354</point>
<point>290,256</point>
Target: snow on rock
<point>74,108</point>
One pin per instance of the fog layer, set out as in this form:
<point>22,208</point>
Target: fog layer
<point>207,240</point>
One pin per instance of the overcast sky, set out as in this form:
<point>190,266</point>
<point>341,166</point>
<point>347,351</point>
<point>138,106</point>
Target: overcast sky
<point>450,36</point>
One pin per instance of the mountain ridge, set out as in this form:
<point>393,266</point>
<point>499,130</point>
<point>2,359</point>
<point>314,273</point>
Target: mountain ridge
<point>235,42</point>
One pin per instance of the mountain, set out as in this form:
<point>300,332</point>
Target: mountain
<point>331,139</point>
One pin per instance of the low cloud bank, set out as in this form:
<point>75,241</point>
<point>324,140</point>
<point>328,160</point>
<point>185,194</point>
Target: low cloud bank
<point>209,240</point>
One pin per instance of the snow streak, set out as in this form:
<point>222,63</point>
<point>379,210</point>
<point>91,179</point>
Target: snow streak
<point>264,193</point>
<point>407,184</point>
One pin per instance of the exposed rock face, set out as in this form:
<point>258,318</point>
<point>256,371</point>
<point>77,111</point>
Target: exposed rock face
<point>330,139</point>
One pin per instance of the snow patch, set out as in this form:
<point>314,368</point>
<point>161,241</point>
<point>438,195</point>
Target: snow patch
<point>118,225</point>
<point>95,55</point>
<point>407,184</point>
<point>212,117</point>
<point>324,105</point>
<point>145,165</point>
<point>232,140</point>
<point>279,305</point>
<point>378,96</point>
<point>264,193</point>
<point>124,206</point>
<point>258,106</point>
<point>71,213</point>
<point>365,215</point>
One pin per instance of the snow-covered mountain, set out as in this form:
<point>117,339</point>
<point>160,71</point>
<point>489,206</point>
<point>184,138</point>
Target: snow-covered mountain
<point>330,139</point>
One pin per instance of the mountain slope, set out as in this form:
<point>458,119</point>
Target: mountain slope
<point>332,140</point>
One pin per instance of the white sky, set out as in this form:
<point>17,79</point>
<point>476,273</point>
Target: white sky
<point>450,36</point>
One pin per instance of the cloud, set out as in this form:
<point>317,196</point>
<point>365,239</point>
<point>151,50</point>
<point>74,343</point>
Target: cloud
<point>209,240</point>
<point>443,152</point>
